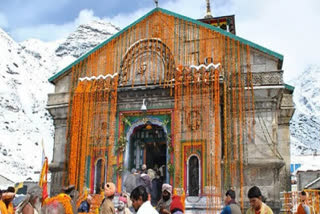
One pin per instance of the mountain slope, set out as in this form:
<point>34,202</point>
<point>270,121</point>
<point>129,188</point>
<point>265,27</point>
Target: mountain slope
<point>305,123</point>
<point>24,71</point>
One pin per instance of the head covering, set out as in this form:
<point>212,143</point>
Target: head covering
<point>68,189</point>
<point>176,203</point>
<point>8,195</point>
<point>109,189</point>
<point>167,187</point>
<point>123,199</point>
<point>144,167</point>
<point>35,191</point>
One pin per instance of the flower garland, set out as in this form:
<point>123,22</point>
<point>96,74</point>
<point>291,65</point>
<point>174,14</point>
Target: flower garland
<point>62,198</point>
<point>198,91</point>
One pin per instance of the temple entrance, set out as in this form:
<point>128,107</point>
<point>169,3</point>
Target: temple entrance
<point>148,145</point>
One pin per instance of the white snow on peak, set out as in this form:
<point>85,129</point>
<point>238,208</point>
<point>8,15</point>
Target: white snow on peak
<point>86,37</point>
<point>305,123</point>
<point>24,71</point>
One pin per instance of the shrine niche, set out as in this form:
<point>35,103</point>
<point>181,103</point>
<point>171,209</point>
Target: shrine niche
<point>147,62</point>
<point>99,174</point>
<point>193,176</point>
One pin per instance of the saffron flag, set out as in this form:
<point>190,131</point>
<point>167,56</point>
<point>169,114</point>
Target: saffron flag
<point>44,178</point>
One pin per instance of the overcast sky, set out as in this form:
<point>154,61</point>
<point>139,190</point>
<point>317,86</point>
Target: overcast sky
<point>289,27</point>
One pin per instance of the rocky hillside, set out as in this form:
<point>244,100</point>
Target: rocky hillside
<point>305,123</point>
<point>24,70</point>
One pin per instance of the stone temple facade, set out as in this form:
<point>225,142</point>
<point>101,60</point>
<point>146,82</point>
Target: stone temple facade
<point>145,119</point>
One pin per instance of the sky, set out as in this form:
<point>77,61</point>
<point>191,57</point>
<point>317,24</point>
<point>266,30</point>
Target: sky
<point>288,27</point>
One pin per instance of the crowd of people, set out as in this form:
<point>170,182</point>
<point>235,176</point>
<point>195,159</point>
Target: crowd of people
<point>138,197</point>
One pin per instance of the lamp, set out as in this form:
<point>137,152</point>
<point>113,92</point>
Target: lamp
<point>148,125</point>
<point>143,107</point>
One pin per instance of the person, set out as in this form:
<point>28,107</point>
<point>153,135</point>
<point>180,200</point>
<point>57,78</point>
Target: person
<point>74,194</point>
<point>107,206</point>
<point>123,206</point>
<point>53,207</point>
<point>176,206</point>
<point>140,203</point>
<point>61,203</point>
<point>303,208</point>
<point>32,202</point>
<point>151,173</point>
<point>165,202</point>
<point>145,181</point>
<point>231,206</point>
<point>126,195</point>
<point>85,205</point>
<point>131,181</point>
<point>144,168</point>
<point>6,206</point>
<point>156,184</point>
<point>257,206</point>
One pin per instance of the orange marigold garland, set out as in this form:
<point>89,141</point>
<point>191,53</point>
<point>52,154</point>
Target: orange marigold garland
<point>62,198</point>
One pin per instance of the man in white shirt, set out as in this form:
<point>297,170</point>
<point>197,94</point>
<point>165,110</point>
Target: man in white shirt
<point>140,203</point>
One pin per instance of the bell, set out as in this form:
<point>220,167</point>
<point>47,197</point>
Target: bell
<point>143,107</point>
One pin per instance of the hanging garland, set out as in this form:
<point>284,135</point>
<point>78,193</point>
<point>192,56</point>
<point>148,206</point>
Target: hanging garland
<point>203,106</point>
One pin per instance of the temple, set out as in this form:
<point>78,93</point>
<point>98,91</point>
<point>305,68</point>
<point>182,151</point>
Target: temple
<point>208,107</point>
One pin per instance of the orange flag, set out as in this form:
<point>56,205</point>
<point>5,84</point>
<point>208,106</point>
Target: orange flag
<point>44,178</point>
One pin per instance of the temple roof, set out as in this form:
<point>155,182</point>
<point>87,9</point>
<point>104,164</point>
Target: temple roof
<point>170,13</point>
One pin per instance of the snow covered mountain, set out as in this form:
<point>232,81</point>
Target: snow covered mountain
<point>305,123</point>
<point>24,71</point>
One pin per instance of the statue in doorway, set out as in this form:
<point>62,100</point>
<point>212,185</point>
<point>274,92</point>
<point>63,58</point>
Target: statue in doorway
<point>194,177</point>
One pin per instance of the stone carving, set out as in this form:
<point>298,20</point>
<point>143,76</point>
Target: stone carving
<point>142,68</point>
<point>265,78</point>
<point>147,61</point>
<point>194,120</point>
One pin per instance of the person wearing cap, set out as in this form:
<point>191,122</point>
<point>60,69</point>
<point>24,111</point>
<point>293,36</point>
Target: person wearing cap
<point>257,206</point>
<point>176,205</point>
<point>74,194</point>
<point>107,206</point>
<point>32,202</point>
<point>85,205</point>
<point>5,203</point>
<point>140,203</point>
<point>123,206</point>
<point>231,207</point>
<point>165,201</point>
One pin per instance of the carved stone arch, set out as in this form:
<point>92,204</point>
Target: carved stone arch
<point>147,62</point>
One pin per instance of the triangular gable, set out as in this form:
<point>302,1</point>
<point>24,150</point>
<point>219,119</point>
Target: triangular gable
<point>223,32</point>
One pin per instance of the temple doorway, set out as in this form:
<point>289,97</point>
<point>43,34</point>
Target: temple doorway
<point>148,145</point>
